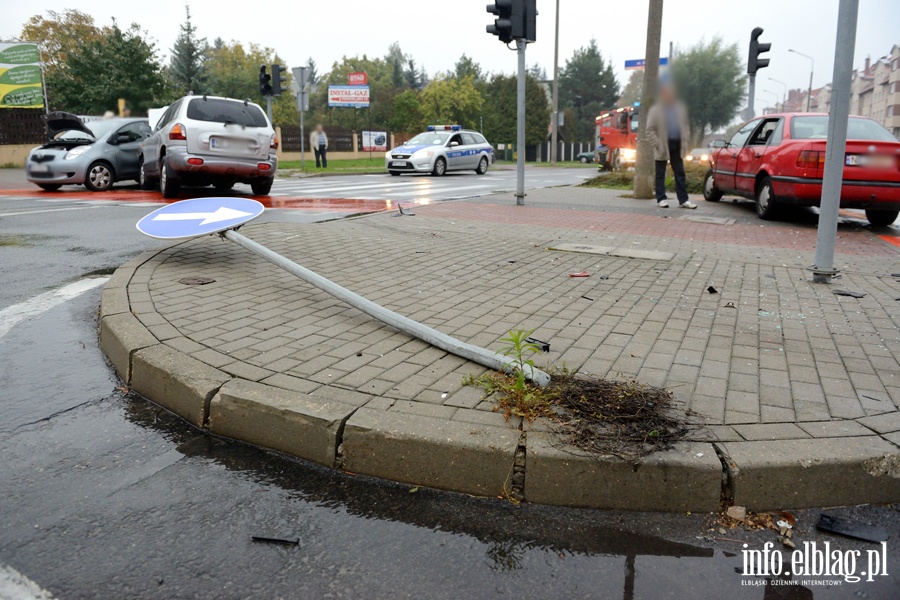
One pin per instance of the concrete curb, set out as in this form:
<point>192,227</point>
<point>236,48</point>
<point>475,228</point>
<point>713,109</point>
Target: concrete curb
<point>476,451</point>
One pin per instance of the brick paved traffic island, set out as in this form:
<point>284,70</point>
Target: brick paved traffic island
<point>798,388</point>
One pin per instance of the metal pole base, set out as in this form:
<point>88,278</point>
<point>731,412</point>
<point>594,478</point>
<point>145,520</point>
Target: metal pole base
<point>823,275</point>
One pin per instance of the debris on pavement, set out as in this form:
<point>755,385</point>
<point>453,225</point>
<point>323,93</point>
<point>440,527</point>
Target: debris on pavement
<point>271,540</point>
<point>869,533</point>
<point>712,290</point>
<point>544,346</point>
<point>591,299</point>
<point>405,212</point>
<point>850,293</point>
<point>580,274</point>
<point>738,513</point>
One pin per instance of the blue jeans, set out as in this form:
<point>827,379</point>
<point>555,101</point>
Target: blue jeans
<point>321,157</point>
<point>677,168</point>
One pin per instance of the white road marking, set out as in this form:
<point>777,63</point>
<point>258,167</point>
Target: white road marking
<point>46,210</point>
<point>15,586</point>
<point>13,315</point>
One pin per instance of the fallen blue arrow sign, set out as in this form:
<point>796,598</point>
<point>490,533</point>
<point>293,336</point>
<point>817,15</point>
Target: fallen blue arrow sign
<point>201,216</point>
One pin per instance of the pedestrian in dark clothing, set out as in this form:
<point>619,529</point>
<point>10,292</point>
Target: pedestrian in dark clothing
<point>319,142</point>
<point>669,134</point>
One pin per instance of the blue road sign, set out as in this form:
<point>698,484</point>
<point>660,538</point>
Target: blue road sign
<point>202,216</point>
<point>638,63</point>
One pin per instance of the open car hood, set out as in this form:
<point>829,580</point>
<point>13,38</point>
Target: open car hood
<point>58,122</point>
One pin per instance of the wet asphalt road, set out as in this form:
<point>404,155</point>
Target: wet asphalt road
<point>105,495</point>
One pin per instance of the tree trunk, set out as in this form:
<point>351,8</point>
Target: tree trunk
<point>644,168</point>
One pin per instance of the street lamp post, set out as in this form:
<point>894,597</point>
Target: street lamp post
<point>554,116</point>
<point>812,66</point>
<point>776,98</point>
<point>784,95</point>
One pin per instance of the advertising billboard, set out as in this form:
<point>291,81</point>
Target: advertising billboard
<point>374,141</point>
<point>20,76</point>
<point>348,96</point>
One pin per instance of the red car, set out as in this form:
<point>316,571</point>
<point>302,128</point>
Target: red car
<point>779,160</point>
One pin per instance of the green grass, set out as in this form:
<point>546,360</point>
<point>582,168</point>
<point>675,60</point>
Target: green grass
<point>624,180</point>
<point>349,165</point>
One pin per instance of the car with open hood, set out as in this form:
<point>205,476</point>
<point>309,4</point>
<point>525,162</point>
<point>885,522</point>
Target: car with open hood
<point>96,153</point>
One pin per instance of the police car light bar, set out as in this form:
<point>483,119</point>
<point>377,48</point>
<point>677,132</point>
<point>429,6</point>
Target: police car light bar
<point>444,127</point>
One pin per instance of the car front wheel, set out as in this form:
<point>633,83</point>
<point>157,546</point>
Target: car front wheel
<point>168,182</point>
<point>710,192</point>
<point>99,177</point>
<point>145,181</point>
<point>583,160</point>
<point>440,167</point>
<point>395,173</point>
<point>482,166</point>
<point>881,218</point>
<point>766,207</point>
<point>49,187</point>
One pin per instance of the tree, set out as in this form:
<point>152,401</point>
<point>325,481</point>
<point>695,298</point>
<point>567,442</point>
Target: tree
<point>633,89</point>
<point>538,72</point>
<point>500,110</point>
<point>121,63</point>
<point>187,68</point>
<point>466,67</point>
<point>312,76</point>
<point>407,114</point>
<point>710,78</point>
<point>588,85</point>
<point>450,100</point>
<point>60,35</point>
<point>233,71</point>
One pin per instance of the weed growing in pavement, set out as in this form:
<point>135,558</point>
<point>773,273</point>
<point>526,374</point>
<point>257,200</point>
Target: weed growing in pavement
<point>604,417</point>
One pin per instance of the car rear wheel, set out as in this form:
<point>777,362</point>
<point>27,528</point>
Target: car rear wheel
<point>261,187</point>
<point>766,206</point>
<point>168,182</point>
<point>146,182</point>
<point>881,218</point>
<point>583,160</point>
<point>99,177</point>
<point>482,166</point>
<point>440,167</point>
<point>710,192</point>
<point>49,187</point>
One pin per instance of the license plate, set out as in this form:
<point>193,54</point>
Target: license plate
<point>40,168</point>
<point>398,163</point>
<point>217,143</point>
<point>878,161</point>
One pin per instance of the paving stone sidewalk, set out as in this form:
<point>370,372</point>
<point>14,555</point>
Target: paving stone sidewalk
<point>781,370</point>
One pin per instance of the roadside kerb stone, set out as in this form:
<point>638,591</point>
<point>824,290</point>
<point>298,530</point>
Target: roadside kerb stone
<point>688,477</point>
<point>121,335</point>
<point>302,425</point>
<point>176,381</point>
<point>448,455</point>
<point>774,475</point>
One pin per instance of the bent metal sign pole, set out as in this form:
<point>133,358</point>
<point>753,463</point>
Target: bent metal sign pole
<point>204,216</point>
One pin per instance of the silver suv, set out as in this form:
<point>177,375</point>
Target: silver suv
<point>206,140</point>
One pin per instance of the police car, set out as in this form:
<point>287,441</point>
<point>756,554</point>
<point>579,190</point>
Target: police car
<point>441,149</point>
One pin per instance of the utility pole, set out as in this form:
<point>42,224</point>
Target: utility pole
<point>644,167</point>
<point>301,76</point>
<point>838,118</point>
<point>812,67</point>
<point>554,116</point>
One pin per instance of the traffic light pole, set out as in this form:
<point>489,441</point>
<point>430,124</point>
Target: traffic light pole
<point>520,125</point>
<point>269,108</point>
<point>838,119</point>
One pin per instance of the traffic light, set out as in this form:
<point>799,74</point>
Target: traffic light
<point>754,62</point>
<point>503,24</point>
<point>265,88</point>
<point>278,80</point>
<point>524,20</point>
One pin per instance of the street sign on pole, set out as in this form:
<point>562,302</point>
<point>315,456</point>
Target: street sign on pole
<point>201,216</point>
<point>638,64</point>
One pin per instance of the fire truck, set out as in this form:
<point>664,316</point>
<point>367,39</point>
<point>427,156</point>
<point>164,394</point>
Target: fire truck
<point>617,131</point>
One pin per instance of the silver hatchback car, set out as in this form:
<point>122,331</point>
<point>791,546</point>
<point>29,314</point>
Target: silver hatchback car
<point>441,149</point>
<point>97,153</point>
<point>207,140</point>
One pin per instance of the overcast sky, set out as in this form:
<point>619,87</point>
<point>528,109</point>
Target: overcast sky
<point>436,32</point>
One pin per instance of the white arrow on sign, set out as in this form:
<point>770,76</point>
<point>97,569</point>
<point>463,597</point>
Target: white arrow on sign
<point>221,214</point>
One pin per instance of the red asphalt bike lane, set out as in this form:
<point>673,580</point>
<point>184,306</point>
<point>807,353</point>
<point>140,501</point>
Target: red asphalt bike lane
<point>772,235</point>
<point>346,205</point>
